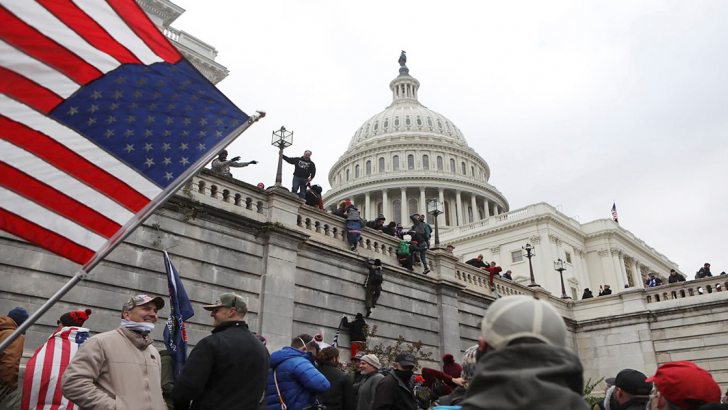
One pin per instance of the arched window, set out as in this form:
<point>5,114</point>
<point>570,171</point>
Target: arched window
<point>410,162</point>
<point>429,122</point>
<point>463,168</point>
<point>381,164</point>
<point>386,123</point>
<point>347,174</point>
<point>395,163</point>
<point>356,171</point>
<point>397,210</point>
<point>379,208</point>
<point>407,121</point>
<point>412,206</point>
<point>396,122</point>
<point>339,178</point>
<point>439,124</point>
<point>452,165</point>
<point>376,125</point>
<point>448,127</point>
<point>472,171</point>
<point>425,162</point>
<point>419,121</point>
<point>367,131</point>
<point>439,163</point>
<point>369,167</point>
<point>470,214</point>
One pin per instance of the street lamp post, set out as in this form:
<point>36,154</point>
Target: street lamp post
<point>530,253</point>
<point>281,139</point>
<point>434,208</point>
<point>560,266</point>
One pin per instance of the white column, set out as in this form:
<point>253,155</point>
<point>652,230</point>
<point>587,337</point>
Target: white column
<point>636,274</point>
<point>385,205</point>
<point>495,209</point>
<point>617,271</point>
<point>474,204</point>
<point>486,208</point>
<point>459,212</point>
<point>441,198</point>
<point>404,209</point>
<point>423,201</point>
<point>368,207</point>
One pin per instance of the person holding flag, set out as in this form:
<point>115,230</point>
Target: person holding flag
<point>43,372</point>
<point>228,369</point>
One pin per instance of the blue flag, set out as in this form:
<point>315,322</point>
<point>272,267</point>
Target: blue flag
<point>175,335</point>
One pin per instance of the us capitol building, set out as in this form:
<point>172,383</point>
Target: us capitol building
<point>408,154</point>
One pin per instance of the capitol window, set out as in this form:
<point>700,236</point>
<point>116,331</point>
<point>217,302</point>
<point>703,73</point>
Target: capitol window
<point>472,171</point>
<point>463,168</point>
<point>407,121</point>
<point>412,205</point>
<point>419,121</point>
<point>369,167</point>
<point>448,127</point>
<point>517,256</point>
<point>381,164</point>
<point>376,126</point>
<point>396,122</point>
<point>452,166</point>
<point>425,162</point>
<point>386,124</point>
<point>410,162</point>
<point>429,122</point>
<point>439,124</point>
<point>356,171</point>
<point>568,258</point>
<point>439,163</point>
<point>395,163</point>
<point>347,174</point>
<point>367,131</point>
<point>397,210</point>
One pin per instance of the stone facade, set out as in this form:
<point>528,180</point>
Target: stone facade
<point>292,264</point>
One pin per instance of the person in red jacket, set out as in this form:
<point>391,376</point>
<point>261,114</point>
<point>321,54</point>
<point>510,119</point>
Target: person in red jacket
<point>494,270</point>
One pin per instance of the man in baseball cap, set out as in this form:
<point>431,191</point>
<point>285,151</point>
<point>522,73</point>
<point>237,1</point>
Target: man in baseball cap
<point>523,343</point>
<point>229,368</point>
<point>631,390</point>
<point>394,391</point>
<point>682,385</point>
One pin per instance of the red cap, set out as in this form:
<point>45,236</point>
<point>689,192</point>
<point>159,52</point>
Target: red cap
<point>686,384</point>
<point>419,379</point>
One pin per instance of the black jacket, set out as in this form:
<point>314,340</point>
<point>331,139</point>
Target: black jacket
<point>587,294</point>
<point>475,262</point>
<point>675,278</point>
<point>356,329</point>
<point>527,376</point>
<point>703,273</point>
<point>393,394</point>
<point>226,370</point>
<point>605,292</point>
<point>635,404</point>
<point>304,168</point>
<point>340,395</point>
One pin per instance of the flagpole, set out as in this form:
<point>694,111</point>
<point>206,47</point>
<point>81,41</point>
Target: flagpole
<point>137,220</point>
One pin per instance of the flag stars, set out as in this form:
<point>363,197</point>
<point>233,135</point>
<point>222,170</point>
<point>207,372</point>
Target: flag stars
<point>118,94</point>
<point>183,146</point>
<point>133,105</point>
<point>150,119</point>
<point>149,162</point>
<point>72,111</point>
<point>218,134</point>
<point>130,119</point>
<point>129,148</point>
<point>138,93</point>
<point>167,161</point>
<point>206,109</point>
<point>109,133</point>
<point>141,82</point>
<point>111,119</point>
<point>218,122</point>
<point>93,108</point>
<point>167,133</point>
<point>152,106</point>
<point>113,106</point>
<point>128,133</point>
<point>96,95</point>
<point>175,97</point>
<point>148,133</point>
<point>121,80</point>
<point>169,120</point>
<point>184,161</point>
<point>185,133</point>
<point>235,122</point>
<point>202,134</point>
<point>166,147</point>
<point>91,121</point>
<point>161,83</point>
<point>194,98</point>
<point>201,147</point>
<point>188,108</point>
<point>168,176</point>
<point>203,121</point>
<point>147,147</point>
<point>170,107</point>
<point>186,121</point>
<point>156,95</point>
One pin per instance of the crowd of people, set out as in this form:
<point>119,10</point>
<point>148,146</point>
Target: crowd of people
<point>521,361</point>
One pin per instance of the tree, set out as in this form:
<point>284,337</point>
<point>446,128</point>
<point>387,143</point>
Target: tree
<point>588,388</point>
<point>387,354</point>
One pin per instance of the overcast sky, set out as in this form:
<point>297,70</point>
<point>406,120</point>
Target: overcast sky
<point>577,104</point>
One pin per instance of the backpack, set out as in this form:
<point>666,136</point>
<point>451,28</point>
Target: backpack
<point>404,249</point>
<point>376,277</point>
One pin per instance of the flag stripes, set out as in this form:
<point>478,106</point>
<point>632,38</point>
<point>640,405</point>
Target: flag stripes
<point>41,74</point>
<point>20,88</point>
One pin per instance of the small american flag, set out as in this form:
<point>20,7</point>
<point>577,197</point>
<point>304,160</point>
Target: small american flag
<point>101,119</point>
<point>44,371</point>
<point>614,212</point>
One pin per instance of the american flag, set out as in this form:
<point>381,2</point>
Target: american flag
<point>614,212</point>
<point>44,371</point>
<point>101,119</point>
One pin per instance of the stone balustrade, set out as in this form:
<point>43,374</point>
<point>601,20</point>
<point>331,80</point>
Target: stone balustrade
<point>226,193</point>
<point>682,290</point>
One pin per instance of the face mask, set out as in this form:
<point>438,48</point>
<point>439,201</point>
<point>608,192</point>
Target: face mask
<point>404,375</point>
<point>143,327</point>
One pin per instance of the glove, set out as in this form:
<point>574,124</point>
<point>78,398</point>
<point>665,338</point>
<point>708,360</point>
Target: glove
<point>253,162</point>
<point>236,159</point>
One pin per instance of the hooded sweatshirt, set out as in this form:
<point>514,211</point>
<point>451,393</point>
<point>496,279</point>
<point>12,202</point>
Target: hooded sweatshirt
<point>527,376</point>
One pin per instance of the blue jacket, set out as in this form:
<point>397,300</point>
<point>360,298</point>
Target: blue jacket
<point>298,380</point>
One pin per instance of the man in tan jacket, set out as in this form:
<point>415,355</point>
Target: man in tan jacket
<point>119,369</point>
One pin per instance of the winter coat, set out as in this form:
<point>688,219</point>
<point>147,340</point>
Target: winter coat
<point>676,278</point>
<point>587,294</point>
<point>298,380</point>
<point>341,394</point>
<point>605,292</point>
<point>10,357</point>
<point>475,262</point>
<point>703,273</point>
<point>367,389</point>
<point>419,226</point>
<point>314,199</point>
<point>220,363</point>
<point>527,376</point>
<point>653,282</point>
<point>304,168</point>
<point>118,369</point>
<point>339,212</point>
<point>356,329</point>
<point>393,394</point>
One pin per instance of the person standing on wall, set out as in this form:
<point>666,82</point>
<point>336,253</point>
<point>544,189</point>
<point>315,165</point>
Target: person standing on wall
<point>303,173</point>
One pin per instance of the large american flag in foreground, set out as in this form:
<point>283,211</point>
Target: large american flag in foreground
<point>100,119</point>
<point>44,371</point>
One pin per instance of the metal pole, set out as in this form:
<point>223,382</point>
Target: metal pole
<point>530,267</point>
<point>437,232</point>
<point>279,174</point>
<point>563,289</point>
<point>79,276</point>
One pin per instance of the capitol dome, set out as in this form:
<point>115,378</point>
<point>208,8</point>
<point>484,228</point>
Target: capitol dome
<point>409,154</point>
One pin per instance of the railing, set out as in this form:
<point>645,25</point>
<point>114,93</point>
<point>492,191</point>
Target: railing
<point>171,33</point>
<point>231,195</point>
<point>683,290</point>
<point>478,280</point>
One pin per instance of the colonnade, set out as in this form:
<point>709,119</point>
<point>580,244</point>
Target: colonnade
<point>458,204</point>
